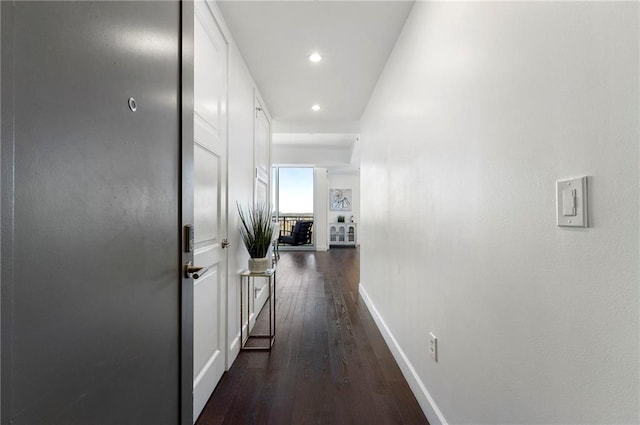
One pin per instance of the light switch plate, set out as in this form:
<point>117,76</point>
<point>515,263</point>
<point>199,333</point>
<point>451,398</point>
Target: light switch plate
<point>571,203</point>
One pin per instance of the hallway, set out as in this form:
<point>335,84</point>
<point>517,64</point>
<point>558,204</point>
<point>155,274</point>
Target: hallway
<point>329,364</point>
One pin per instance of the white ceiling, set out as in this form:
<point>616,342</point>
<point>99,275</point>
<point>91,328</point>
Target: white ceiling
<point>354,39</point>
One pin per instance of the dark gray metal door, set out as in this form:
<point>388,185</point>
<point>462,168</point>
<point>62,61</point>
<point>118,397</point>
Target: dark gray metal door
<point>91,209</point>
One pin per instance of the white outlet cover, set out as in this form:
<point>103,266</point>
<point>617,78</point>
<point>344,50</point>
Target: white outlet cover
<point>572,203</point>
<point>433,347</point>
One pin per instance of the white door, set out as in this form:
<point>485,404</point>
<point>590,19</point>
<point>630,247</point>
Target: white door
<point>210,205</point>
<point>262,160</point>
<point>262,164</point>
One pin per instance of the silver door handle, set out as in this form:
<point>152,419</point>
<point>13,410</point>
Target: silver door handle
<point>195,272</point>
<point>225,244</point>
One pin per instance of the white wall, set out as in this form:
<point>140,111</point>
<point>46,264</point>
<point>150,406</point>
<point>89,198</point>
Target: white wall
<point>241,114</point>
<point>320,208</point>
<point>481,107</point>
<point>241,183</point>
<point>310,155</point>
<point>344,180</point>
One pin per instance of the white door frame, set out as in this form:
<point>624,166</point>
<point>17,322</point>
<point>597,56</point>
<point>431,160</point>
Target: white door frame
<point>186,217</point>
<point>206,9</point>
<point>261,175</point>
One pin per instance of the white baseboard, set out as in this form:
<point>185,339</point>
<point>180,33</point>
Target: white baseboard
<point>428,405</point>
<point>234,351</point>
<point>322,248</point>
<point>234,348</point>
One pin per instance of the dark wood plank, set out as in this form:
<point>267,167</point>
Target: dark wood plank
<point>329,364</point>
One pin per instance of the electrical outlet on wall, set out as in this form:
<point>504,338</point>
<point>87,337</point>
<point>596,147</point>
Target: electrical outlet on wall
<point>433,346</point>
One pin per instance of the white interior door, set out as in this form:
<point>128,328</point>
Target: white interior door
<point>210,205</point>
<point>262,164</point>
<point>262,158</point>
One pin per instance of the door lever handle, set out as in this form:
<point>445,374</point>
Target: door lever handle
<point>225,244</point>
<point>195,272</point>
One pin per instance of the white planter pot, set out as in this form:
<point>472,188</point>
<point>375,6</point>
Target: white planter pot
<point>259,265</point>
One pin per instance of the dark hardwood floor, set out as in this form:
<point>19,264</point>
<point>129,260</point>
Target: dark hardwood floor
<point>329,364</point>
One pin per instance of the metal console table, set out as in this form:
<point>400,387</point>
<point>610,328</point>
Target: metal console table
<point>246,275</point>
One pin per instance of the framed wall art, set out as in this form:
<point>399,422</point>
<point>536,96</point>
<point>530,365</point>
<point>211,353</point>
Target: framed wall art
<point>340,199</point>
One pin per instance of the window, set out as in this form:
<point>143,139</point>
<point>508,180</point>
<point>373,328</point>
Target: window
<point>292,196</point>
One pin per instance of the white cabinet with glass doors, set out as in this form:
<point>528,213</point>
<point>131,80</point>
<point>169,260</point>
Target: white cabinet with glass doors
<point>343,234</point>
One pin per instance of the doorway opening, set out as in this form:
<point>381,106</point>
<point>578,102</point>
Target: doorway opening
<point>292,197</point>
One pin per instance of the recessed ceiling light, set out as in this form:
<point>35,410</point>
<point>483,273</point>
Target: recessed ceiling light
<point>315,57</point>
<point>316,108</point>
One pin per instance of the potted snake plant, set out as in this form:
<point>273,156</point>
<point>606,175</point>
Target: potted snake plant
<point>256,231</point>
